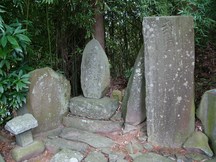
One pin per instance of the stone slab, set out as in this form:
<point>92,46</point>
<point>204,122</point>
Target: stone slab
<point>103,108</point>
<point>92,125</point>
<point>24,138</point>
<point>56,144</point>
<point>95,157</point>
<point>169,75</point>
<point>1,158</point>
<point>66,155</point>
<point>207,114</point>
<point>21,124</point>
<point>152,157</point>
<point>133,105</point>
<point>198,140</point>
<point>95,73</point>
<point>95,140</point>
<point>24,153</point>
<point>48,98</point>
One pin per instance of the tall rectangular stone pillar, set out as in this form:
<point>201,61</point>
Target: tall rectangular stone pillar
<point>169,74</point>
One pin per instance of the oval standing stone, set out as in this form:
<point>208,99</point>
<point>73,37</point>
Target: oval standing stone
<point>48,98</point>
<point>95,73</point>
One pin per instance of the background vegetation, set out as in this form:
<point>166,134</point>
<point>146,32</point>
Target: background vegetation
<point>59,30</point>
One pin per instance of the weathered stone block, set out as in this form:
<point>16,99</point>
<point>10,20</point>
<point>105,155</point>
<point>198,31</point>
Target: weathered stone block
<point>48,98</point>
<point>102,108</point>
<point>169,75</point>
<point>133,105</point>
<point>27,152</point>
<point>24,138</point>
<point>21,124</point>
<point>95,73</point>
<point>207,114</point>
<point>92,125</point>
<point>198,140</point>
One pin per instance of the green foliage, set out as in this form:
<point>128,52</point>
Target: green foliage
<point>201,11</point>
<point>13,78</point>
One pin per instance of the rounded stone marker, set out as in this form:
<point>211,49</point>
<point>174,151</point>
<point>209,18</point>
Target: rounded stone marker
<point>95,73</point>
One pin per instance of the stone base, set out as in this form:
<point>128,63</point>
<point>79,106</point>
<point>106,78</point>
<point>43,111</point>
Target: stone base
<point>24,138</point>
<point>103,108</point>
<point>91,125</point>
<point>27,152</point>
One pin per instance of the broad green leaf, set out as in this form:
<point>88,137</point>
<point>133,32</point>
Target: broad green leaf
<point>7,63</point>
<point>4,41</point>
<point>20,73</point>
<point>12,40</point>
<point>1,89</point>
<point>23,37</point>
<point>18,30</point>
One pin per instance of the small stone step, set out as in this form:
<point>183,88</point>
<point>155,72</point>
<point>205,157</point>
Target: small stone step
<point>95,140</point>
<point>55,144</point>
<point>92,125</point>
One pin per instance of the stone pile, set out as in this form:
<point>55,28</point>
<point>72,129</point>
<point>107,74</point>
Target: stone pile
<point>21,127</point>
<point>93,107</point>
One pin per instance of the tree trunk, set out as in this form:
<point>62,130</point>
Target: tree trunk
<point>99,27</point>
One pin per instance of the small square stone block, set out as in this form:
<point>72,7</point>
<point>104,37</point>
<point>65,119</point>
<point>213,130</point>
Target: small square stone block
<point>24,139</point>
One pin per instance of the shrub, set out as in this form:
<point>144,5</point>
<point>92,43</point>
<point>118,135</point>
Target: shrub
<point>14,79</point>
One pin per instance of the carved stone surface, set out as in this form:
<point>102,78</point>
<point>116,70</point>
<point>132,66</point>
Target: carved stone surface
<point>48,98</point>
<point>133,104</point>
<point>207,114</point>
<point>95,73</point>
<point>169,75</point>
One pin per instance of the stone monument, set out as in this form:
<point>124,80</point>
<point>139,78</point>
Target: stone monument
<point>169,76</point>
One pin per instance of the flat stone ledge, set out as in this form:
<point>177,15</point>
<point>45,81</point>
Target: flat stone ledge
<point>92,125</point>
<point>56,144</point>
<point>21,124</point>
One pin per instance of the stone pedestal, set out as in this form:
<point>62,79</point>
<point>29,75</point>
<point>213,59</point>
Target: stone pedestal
<point>24,138</point>
<point>169,75</point>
